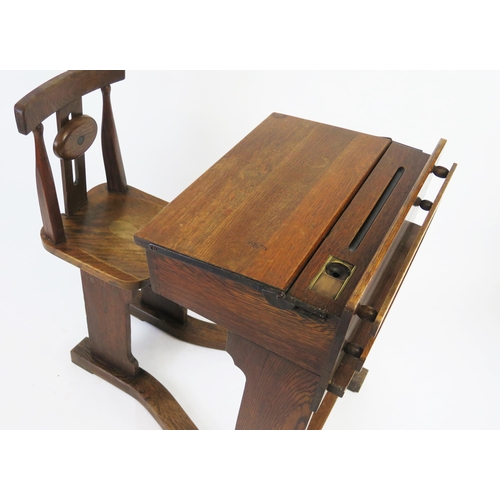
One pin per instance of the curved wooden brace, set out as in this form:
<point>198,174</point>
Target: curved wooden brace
<point>194,331</point>
<point>143,387</point>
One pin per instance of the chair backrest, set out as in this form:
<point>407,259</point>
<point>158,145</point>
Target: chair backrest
<point>75,134</point>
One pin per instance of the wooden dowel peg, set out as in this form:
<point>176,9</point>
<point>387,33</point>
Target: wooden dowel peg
<point>440,172</point>
<point>353,349</point>
<point>367,313</point>
<point>425,205</point>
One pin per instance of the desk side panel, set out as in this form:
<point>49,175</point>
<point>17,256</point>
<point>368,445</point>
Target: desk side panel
<point>303,340</point>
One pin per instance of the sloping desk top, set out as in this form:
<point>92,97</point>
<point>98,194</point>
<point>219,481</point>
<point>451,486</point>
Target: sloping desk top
<point>292,194</point>
<point>264,207</point>
<point>298,241</point>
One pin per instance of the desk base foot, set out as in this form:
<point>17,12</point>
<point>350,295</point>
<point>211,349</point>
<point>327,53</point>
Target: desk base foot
<point>143,387</point>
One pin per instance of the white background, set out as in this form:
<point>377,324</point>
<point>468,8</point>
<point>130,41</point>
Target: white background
<point>435,363</point>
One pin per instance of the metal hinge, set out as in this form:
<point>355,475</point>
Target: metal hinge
<point>281,300</point>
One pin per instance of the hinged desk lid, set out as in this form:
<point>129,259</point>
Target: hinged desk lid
<point>264,208</point>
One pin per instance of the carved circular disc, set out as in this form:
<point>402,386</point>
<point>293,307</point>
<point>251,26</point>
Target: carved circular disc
<point>440,172</point>
<point>75,137</point>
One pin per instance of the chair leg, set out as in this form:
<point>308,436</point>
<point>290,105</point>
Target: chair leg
<point>108,320</point>
<point>107,353</point>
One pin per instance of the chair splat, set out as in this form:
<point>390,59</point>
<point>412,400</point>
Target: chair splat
<point>72,162</point>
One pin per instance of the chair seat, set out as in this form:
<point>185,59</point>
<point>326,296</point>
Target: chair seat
<point>100,236</point>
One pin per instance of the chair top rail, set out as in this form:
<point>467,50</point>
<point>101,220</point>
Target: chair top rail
<point>58,92</point>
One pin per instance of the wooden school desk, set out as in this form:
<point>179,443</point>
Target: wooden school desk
<point>296,242</point>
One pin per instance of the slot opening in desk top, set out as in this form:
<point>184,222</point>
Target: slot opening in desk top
<point>376,210</point>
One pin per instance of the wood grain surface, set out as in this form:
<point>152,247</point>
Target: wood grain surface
<point>100,236</point>
<point>262,209</point>
<point>338,241</point>
<point>160,403</point>
<point>108,320</point>
<point>278,394</point>
<point>58,92</point>
<point>74,175</point>
<point>304,340</point>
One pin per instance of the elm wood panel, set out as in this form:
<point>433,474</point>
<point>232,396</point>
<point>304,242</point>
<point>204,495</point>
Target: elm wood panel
<point>263,209</point>
<point>302,340</point>
<point>143,387</point>
<point>100,236</point>
<point>278,394</point>
<point>58,92</point>
<point>343,232</point>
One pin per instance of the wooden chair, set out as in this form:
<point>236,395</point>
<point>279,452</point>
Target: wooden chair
<point>96,234</point>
